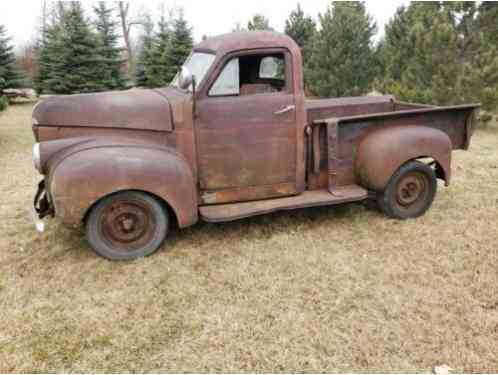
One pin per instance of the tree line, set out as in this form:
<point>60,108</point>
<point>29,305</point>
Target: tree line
<point>430,52</point>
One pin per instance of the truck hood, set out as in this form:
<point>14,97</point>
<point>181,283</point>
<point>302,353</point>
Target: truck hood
<point>132,109</point>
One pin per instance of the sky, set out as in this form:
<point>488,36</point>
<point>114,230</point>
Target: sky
<point>208,17</point>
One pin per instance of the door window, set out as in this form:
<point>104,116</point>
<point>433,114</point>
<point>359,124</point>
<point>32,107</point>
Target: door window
<point>250,75</point>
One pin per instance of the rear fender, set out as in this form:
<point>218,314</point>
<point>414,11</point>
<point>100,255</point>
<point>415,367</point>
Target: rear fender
<point>85,176</point>
<point>383,151</point>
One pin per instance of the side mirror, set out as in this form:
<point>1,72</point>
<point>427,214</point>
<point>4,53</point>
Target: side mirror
<point>185,78</point>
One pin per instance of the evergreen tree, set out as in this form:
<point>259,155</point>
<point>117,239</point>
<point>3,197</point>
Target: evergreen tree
<point>259,22</point>
<point>111,62</point>
<point>47,52</point>
<point>9,74</point>
<point>441,53</point>
<point>161,67</point>
<point>342,58</point>
<point>301,28</point>
<point>480,56</point>
<point>180,47</point>
<point>145,76</point>
<point>68,55</point>
<point>76,69</point>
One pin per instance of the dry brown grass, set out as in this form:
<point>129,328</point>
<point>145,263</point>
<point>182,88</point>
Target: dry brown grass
<point>330,289</point>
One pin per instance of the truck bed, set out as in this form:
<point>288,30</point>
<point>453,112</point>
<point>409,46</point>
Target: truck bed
<point>352,118</point>
<point>317,109</point>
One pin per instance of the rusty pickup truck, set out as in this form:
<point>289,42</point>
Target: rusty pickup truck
<point>233,136</point>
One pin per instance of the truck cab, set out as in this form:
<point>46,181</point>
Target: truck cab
<point>233,136</point>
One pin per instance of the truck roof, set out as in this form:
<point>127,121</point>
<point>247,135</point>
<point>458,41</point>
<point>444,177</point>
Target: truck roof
<point>240,40</point>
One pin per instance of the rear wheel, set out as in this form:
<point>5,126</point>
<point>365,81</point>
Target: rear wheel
<point>127,225</point>
<point>410,191</point>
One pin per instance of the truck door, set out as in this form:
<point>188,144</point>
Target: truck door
<point>246,128</point>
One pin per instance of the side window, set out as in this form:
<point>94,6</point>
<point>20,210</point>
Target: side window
<point>251,74</point>
<point>228,82</point>
<point>272,67</point>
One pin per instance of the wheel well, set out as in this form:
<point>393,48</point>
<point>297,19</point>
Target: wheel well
<point>438,168</point>
<point>166,205</point>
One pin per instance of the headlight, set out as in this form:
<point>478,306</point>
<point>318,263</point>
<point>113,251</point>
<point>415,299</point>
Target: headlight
<point>36,156</point>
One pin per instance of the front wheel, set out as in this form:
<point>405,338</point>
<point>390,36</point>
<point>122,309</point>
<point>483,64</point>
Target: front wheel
<point>127,225</point>
<point>410,191</point>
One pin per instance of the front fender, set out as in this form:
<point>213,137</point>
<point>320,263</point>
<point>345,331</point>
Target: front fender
<point>83,177</point>
<point>383,151</point>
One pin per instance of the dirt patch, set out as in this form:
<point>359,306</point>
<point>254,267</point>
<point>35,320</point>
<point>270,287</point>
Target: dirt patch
<point>328,289</point>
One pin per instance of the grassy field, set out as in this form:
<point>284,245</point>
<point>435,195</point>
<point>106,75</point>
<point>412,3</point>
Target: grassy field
<point>329,289</point>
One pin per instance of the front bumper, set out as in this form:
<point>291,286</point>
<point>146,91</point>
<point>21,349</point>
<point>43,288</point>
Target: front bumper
<point>42,206</point>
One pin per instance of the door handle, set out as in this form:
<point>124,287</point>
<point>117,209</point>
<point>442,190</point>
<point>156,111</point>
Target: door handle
<point>285,110</point>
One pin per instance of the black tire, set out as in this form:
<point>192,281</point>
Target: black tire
<point>409,192</point>
<point>127,225</point>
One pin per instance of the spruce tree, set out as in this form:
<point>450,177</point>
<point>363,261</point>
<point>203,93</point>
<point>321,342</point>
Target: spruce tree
<point>301,28</point>
<point>259,22</point>
<point>341,62</point>
<point>111,62</point>
<point>75,68</point>
<point>164,38</point>
<point>480,73</point>
<point>179,48</point>
<point>9,74</point>
<point>47,52</point>
<point>441,53</point>
<point>68,55</point>
<point>145,76</point>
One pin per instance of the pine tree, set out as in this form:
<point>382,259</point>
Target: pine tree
<point>69,55</point>
<point>342,56</point>
<point>111,62</point>
<point>259,22</point>
<point>9,74</point>
<point>164,38</point>
<point>180,47</point>
<point>145,76</point>
<point>78,69</point>
<point>47,52</point>
<point>480,74</point>
<point>301,28</point>
<point>441,53</point>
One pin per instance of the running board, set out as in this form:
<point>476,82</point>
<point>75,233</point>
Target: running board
<point>313,198</point>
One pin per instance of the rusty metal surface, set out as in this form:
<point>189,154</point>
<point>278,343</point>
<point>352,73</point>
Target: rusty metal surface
<point>127,225</point>
<point>235,211</point>
<point>254,148</point>
<point>82,175</point>
<point>250,193</point>
<point>455,122</point>
<point>257,150</point>
<point>381,153</point>
<point>411,188</point>
<point>133,109</point>
<point>317,109</point>
<point>245,40</point>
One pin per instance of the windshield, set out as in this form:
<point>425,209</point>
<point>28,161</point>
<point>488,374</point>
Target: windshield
<point>198,63</point>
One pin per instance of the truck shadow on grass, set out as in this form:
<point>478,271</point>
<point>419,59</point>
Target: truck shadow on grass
<point>212,236</point>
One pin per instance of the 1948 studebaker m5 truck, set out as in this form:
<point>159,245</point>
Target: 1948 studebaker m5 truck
<point>231,137</point>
